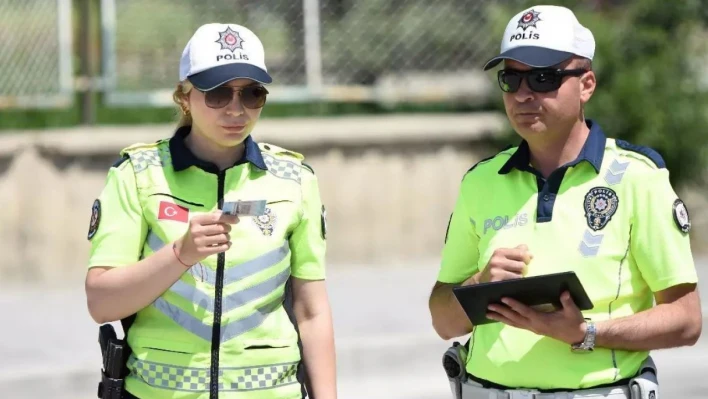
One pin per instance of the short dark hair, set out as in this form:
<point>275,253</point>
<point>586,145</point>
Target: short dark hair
<point>584,63</point>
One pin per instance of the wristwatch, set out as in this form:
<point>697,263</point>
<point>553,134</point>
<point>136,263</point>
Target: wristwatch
<point>588,343</point>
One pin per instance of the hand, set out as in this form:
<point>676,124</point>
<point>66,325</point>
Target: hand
<point>207,234</point>
<point>506,264</point>
<point>566,324</point>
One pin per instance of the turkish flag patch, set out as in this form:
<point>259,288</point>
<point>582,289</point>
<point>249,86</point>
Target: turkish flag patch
<point>170,211</point>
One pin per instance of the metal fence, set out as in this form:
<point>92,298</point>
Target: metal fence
<point>337,50</point>
<point>316,50</point>
<point>35,54</point>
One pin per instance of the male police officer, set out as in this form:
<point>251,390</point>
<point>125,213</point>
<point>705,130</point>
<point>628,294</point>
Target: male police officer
<point>566,199</point>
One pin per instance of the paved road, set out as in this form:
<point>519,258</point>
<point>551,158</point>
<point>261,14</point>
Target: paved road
<point>386,346</point>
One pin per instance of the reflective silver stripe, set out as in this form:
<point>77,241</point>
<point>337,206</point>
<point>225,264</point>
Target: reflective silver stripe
<point>235,272</point>
<point>238,327</point>
<point>228,331</point>
<point>196,379</point>
<point>615,172</point>
<point>234,300</point>
<point>184,319</point>
<point>230,302</point>
<point>260,290</point>
<point>590,245</point>
<point>154,242</point>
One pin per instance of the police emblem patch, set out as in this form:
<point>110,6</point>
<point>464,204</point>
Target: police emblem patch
<point>600,204</point>
<point>266,222</point>
<point>528,20</point>
<point>683,221</point>
<point>95,218</point>
<point>230,40</point>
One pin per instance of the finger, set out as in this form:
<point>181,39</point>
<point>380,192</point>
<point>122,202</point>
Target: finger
<point>213,240</point>
<point>515,254</point>
<point>508,313</point>
<point>213,229</point>
<point>498,317</point>
<point>522,253</point>
<point>506,270</point>
<point>568,303</point>
<point>217,216</point>
<point>215,249</point>
<point>229,219</point>
<point>519,308</point>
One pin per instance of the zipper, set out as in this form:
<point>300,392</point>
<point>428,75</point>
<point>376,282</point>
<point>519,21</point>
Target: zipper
<point>216,328</point>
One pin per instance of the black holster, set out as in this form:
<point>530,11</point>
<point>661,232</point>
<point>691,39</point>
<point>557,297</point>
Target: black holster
<point>115,354</point>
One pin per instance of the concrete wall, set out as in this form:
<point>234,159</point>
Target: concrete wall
<point>389,184</point>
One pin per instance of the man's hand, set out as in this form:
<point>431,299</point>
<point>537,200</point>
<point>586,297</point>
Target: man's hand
<point>506,264</point>
<point>566,324</point>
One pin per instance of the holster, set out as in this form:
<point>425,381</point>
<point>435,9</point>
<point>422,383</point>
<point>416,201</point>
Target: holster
<point>645,385</point>
<point>454,363</point>
<point>115,353</point>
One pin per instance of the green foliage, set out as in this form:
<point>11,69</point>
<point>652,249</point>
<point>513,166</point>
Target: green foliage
<point>649,60</point>
<point>375,37</point>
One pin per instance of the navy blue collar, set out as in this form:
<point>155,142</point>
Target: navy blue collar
<point>593,151</point>
<point>183,157</point>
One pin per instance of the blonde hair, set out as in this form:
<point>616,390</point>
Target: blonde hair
<point>180,98</point>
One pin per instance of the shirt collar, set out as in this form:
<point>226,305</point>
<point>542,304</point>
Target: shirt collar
<point>183,157</point>
<point>593,151</point>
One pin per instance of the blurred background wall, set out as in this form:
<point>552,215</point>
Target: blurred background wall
<point>386,99</point>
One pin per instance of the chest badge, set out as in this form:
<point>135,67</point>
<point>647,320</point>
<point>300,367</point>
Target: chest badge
<point>266,222</point>
<point>600,205</point>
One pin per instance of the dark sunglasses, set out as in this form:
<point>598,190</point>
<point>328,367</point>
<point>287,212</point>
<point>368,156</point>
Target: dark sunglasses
<point>252,97</point>
<point>538,80</point>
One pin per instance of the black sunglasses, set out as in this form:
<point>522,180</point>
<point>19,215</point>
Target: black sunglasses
<point>252,97</point>
<point>538,80</point>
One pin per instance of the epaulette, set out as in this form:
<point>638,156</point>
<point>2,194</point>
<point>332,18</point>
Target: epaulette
<point>138,146</point>
<point>487,159</point>
<point>308,167</point>
<point>120,161</point>
<point>650,153</point>
<point>280,151</point>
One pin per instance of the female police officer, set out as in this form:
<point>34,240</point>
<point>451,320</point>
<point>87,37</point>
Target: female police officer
<point>207,288</point>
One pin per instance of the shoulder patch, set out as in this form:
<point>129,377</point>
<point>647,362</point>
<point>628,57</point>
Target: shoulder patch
<point>654,156</point>
<point>681,217</point>
<point>274,149</point>
<point>308,167</point>
<point>95,218</point>
<point>121,161</point>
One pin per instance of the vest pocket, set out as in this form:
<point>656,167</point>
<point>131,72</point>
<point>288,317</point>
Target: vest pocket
<point>166,346</point>
<point>255,344</point>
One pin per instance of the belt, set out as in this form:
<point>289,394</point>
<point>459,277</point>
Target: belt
<point>472,390</point>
